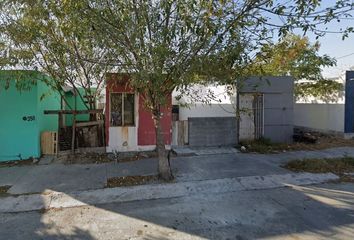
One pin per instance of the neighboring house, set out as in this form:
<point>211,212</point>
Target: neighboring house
<point>22,119</point>
<point>129,126</point>
<point>334,117</point>
<point>266,106</point>
<point>271,101</point>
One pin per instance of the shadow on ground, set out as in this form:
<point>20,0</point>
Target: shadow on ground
<point>313,212</point>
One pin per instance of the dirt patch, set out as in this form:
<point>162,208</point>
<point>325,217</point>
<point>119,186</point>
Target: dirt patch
<point>343,167</point>
<point>25,162</point>
<point>334,165</point>
<point>98,158</point>
<point>346,178</point>
<point>130,181</point>
<point>4,189</point>
<point>323,142</point>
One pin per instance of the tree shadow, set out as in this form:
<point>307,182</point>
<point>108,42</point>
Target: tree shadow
<point>322,211</point>
<point>314,212</point>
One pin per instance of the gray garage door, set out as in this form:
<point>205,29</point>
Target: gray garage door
<point>212,131</point>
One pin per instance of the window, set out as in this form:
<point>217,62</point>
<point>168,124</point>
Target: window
<point>122,109</point>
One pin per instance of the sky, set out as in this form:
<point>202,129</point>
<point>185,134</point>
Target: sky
<point>333,45</point>
<point>342,50</point>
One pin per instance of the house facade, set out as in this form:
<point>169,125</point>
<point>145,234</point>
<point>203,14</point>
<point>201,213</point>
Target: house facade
<point>266,110</point>
<point>129,126</point>
<point>22,119</point>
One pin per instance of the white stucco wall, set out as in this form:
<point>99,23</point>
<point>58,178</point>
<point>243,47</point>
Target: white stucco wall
<point>326,117</point>
<point>247,125</point>
<point>205,101</point>
<point>202,110</point>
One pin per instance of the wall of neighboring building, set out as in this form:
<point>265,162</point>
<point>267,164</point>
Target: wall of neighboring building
<point>205,116</point>
<point>215,124</point>
<point>278,104</point>
<point>203,110</point>
<point>18,121</point>
<point>315,114</point>
<point>47,99</point>
<point>146,127</point>
<point>320,117</point>
<point>220,104</point>
<point>22,119</point>
<point>19,135</point>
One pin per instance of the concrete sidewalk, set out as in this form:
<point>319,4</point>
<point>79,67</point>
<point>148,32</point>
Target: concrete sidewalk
<point>70,178</point>
<point>55,200</point>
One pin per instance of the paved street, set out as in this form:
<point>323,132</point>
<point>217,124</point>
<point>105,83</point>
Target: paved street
<point>313,212</point>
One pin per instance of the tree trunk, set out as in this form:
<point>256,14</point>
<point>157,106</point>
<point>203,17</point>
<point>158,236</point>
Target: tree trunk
<point>238,116</point>
<point>164,168</point>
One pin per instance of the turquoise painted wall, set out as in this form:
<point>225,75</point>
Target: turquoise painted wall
<point>22,118</point>
<point>80,105</point>
<point>47,99</point>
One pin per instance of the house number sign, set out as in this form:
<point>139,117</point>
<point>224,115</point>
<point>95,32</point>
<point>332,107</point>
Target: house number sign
<point>29,118</point>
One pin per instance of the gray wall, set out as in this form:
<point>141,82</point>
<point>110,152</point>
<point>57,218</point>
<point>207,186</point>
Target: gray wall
<point>212,131</point>
<point>278,105</point>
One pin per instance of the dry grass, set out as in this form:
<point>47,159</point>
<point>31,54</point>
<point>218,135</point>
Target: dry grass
<point>4,189</point>
<point>339,166</point>
<point>99,158</point>
<point>264,146</point>
<point>24,162</point>
<point>334,165</point>
<point>130,181</point>
<point>323,142</point>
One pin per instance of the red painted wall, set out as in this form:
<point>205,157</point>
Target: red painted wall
<point>146,129</point>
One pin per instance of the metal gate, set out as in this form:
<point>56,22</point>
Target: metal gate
<point>258,110</point>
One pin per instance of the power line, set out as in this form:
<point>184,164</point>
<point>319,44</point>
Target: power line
<point>350,54</point>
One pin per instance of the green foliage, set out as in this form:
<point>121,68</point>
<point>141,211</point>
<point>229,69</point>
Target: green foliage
<point>169,44</point>
<point>164,45</point>
<point>324,90</point>
<point>54,38</point>
<point>22,80</point>
<point>295,56</point>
